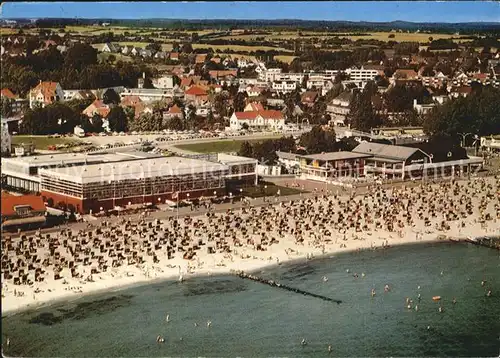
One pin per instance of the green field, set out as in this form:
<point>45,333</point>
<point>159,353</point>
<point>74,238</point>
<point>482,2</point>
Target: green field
<point>220,146</point>
<point>42,142</point>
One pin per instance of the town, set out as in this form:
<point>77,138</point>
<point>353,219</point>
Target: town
<point>128,145</point>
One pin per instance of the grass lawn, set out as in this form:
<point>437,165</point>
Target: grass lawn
<point>42,142</point>
<point>271,190</point>
<point>217,146</point>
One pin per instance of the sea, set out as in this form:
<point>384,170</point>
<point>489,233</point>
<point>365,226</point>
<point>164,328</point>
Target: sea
<point>251,319</point>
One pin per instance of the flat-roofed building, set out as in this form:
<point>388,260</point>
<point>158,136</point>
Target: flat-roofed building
<point>96,187</point>
<point>23,172</point>
<point>25,211</point>
<point>241,170</point>
<point>331,166</point>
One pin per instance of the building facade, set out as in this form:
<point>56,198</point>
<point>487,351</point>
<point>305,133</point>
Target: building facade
<point>330,167</point>
<point>98,187</point>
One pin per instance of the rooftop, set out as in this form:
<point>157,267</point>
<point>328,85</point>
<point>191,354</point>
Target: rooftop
<point>9,202</point>
<point>385,150</point>
<point>333,156</point>
<point>228,159</point>
<point>75,158</point>
<point>137,169</point>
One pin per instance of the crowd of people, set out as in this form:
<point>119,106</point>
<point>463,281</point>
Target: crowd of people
<point>273,232</point>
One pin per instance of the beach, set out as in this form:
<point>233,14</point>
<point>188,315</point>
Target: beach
<point>70,263</point>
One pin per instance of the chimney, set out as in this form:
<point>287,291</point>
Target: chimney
<point>144,75</point>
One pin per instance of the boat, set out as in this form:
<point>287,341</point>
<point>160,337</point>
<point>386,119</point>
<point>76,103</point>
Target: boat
<point>436,298</point>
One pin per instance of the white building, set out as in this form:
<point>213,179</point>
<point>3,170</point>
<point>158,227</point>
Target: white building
<point>284,86</point>
<point>274,120</point>
<point>6,138</point>
<point>152,94</point>
<point>339,108</point>
<point>423,108</point>
<point>361,75</point>
<point>269,74</point>
<point>166,81</point>
<point>491,143</point>
<point>45,93</point>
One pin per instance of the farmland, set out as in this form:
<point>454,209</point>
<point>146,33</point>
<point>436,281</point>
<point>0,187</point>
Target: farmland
<point>380,36</point>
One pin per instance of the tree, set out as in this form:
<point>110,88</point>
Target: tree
<point>239,101</point>
<point>246,150</point>
<point>146,123</point>
<point>175,123</point>
<point>6,110</point>
<point>118,121</point>
<point>110,97</point>
<point>479,114</point>
<point>318,140</point>
<point>244,126</point>
<point>361,115</point>
<point>80,56</point>
<point>156,47</point>
<point>148,83</point>
<point>187,48</point>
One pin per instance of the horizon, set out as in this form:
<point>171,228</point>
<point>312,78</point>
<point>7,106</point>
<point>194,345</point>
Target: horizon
<point>394,11</point>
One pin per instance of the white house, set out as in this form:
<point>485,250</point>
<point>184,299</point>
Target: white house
<point>111,48</point>
<point>257,119</point>
<point>45,93</point>
<point>339,108</point>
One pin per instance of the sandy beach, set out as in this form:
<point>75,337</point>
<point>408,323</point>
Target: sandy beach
<point>37,269</point>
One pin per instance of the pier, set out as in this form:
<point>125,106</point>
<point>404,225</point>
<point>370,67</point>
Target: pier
<point>272,283</point>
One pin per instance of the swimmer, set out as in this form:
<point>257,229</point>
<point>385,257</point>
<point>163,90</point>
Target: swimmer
<point>303,342</point>
<point>329,348</point>
<point>454,300</point>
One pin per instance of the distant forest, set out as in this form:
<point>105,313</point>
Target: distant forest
<point>342,26</point>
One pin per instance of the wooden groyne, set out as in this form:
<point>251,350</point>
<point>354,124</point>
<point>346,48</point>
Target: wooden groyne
<point>272,283</point>
<point>492,242</point>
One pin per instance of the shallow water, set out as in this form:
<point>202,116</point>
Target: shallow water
<point>250,319</point>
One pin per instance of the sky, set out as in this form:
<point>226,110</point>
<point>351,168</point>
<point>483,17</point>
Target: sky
<point>425,11</point>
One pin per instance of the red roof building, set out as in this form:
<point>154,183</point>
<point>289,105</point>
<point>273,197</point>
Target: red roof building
<point>7,93</point>
<point>97,107</point>
<point>196,94</point>
<point>22,211</point>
